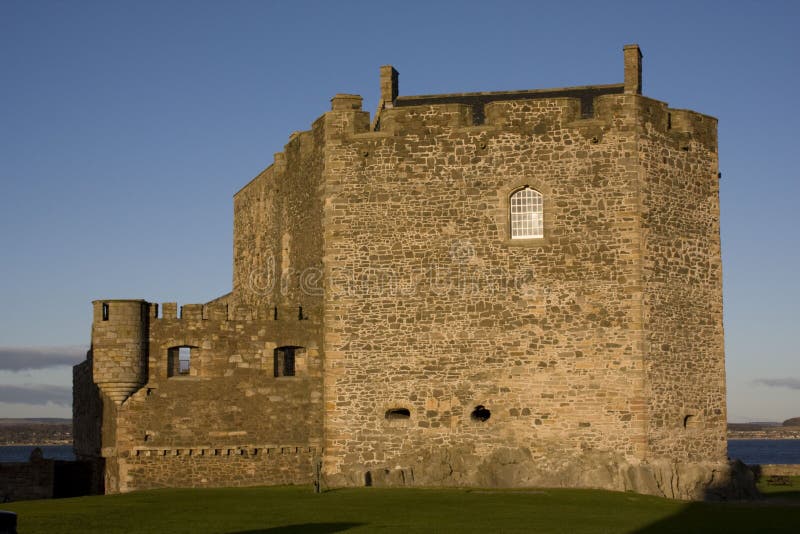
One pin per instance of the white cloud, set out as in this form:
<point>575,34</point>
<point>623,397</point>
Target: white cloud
<point>790,383</point>
<point>36,394</point>
<point>24,358</point>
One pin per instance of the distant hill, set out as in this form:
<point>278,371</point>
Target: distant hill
<point>35,421</point>
<point>765,430</point>
<point>36,431</point>
<point>755,425</point>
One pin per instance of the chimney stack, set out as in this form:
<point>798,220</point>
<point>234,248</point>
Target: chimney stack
<point>389,86</point>
<point>633,69</point>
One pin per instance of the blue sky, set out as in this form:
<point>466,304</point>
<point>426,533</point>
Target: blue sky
<point>126,127</point>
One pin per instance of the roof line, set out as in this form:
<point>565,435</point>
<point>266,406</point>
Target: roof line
<point>519,92</point>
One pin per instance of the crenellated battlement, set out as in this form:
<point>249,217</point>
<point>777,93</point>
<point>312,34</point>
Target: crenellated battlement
<point>171,311</point>
<point>532,113</point>
<point>110,310</point>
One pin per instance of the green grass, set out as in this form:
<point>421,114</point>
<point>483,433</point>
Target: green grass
<point>282,510</point>
<point>771,490</point>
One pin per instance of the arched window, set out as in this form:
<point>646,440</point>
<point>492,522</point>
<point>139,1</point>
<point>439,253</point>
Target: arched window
<point>526,214</point>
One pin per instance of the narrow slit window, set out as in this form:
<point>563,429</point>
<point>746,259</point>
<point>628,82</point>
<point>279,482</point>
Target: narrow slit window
<point>526,214</point>
<point>105,311</point>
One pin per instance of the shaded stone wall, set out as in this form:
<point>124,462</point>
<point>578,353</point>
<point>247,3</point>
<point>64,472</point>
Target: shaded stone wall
<point>87,410</point>
<point>20,481</point>
<point>229,400</point>
<point>256,239</point>
<point>41,478</point>
<point>434,309</point>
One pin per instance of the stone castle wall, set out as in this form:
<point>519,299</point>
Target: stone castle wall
<point>438,350</point>
<point>230,401</point>
<point>453,314</point>
<point>87,412</point>
<point>278,230</point>
<point>242,465</point>
<point>21,481</point>
<point>683,284</point>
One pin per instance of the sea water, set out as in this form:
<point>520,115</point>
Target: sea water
<point>750,451</point>
<point>22,453</point>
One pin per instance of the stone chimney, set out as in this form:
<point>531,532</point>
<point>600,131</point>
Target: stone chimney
<point>389,86</point>
<point>633,69</point>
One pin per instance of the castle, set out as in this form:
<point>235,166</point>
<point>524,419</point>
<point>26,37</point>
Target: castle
<point>500,289</point>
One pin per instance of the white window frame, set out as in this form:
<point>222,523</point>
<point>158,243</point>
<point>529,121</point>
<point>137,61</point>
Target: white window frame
<point>526,214</point>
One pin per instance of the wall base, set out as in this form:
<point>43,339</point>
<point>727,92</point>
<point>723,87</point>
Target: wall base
<point>513,468</point>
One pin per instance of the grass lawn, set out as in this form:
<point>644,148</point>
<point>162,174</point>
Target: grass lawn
<point>283,510</point>
<point>775,490</point>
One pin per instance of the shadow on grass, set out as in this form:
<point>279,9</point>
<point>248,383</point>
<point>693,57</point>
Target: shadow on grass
<point>304,528</point>
<point>774,512</point>
<point>730,518</point>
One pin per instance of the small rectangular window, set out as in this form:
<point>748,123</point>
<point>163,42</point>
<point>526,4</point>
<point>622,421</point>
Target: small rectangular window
<point>284,361</point>
<point>184,360</point>
<point>105,311</point>
<point>179,361</point>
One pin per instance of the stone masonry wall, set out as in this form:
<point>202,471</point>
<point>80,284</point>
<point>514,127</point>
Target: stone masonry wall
<point>229,401</point>
<point>683,284</point>
<point>432,308</point>
<point>278,231</point>
<point>20,481</point>
<point>119,347</point>
<point>87,412</point>
<point>219,467</point>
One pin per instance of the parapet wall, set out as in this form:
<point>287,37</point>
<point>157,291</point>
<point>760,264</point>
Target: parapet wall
<point>228,312</point>
<point>20,481</point>
<point>42,478</point>
<point>682,126</point>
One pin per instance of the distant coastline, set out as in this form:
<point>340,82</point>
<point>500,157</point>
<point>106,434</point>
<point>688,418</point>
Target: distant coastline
<point>767,430</point>
<point>54,431</point>
<point>35,432</point>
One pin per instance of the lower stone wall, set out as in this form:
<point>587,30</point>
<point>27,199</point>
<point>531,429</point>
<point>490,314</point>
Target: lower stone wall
<point>216,467</point>
<point>20,481</point>
<point>42,478</point>
<point>516,468</point>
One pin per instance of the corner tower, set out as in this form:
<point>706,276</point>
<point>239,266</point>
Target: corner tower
<point>119,347</point>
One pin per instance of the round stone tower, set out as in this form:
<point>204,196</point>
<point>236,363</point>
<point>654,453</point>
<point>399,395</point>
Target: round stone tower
<point>119,346</point>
